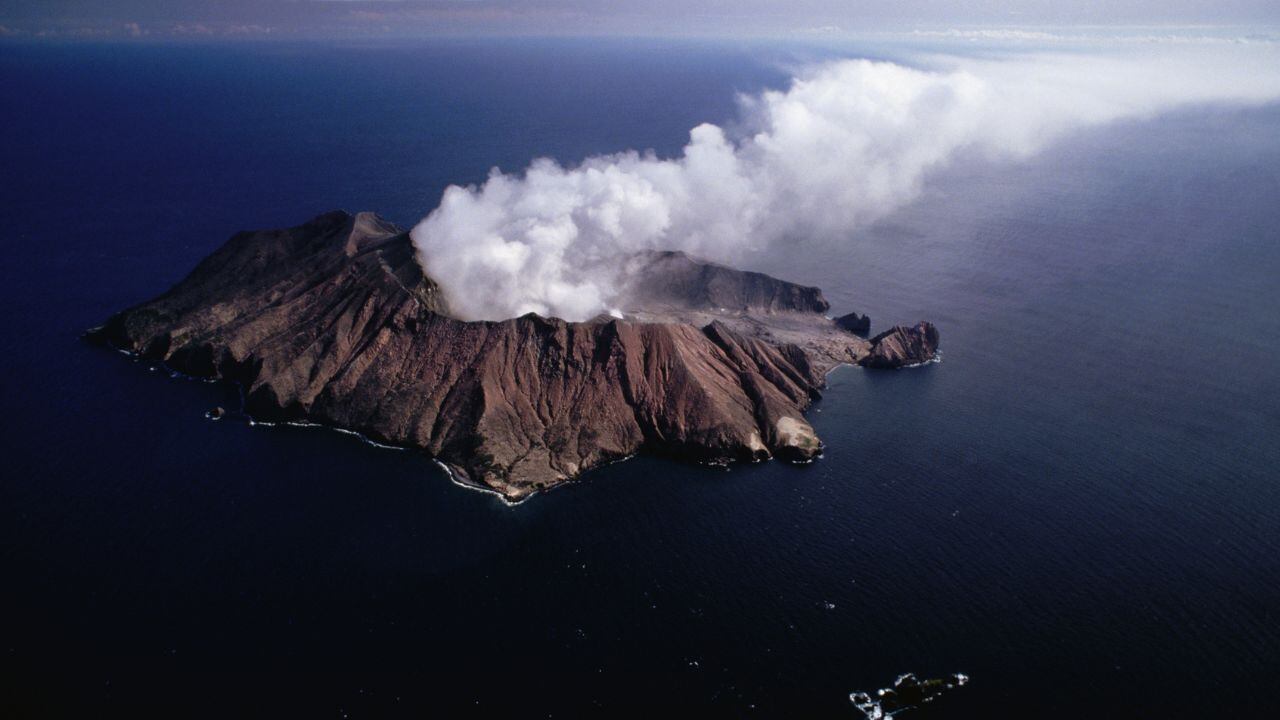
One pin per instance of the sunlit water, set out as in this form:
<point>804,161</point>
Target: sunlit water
<point>1077,508</point>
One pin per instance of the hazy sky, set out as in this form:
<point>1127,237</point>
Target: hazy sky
<point>162,18</point>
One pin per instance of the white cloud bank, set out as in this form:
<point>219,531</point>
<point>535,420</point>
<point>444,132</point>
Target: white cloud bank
<point>845,144</point>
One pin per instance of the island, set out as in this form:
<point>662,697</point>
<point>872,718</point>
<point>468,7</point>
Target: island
<point>335,322</point>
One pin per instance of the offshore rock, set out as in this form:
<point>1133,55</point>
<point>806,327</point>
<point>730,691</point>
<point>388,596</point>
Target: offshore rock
<point>903,346</point>
<point>855,323</point>
<point>908,693</point>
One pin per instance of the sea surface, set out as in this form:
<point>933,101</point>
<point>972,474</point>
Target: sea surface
<point>1079,507</point>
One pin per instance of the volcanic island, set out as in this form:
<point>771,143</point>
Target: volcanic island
<point>336,322</point>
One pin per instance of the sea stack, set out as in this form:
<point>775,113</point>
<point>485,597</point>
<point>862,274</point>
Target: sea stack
<point>855,323</point>
<point>902,346</point>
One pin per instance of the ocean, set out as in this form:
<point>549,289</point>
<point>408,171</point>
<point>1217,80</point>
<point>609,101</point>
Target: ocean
<point>1078,507</point>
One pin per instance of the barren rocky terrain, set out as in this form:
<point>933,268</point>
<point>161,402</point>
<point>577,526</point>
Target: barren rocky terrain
<point>335,322</point>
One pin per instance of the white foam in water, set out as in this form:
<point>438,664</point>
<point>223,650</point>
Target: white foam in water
<point>344,431</point>
<point>461,482</point>
<point>937,358</point>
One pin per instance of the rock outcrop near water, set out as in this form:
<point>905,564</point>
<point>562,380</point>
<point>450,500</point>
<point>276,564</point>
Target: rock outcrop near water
<point>334,322</point>
<point>855,323</point>
<point>907,693</point>
<point>902,346</point>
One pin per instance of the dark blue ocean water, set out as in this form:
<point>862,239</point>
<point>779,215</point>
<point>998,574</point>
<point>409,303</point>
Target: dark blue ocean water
<point>1078,507</point>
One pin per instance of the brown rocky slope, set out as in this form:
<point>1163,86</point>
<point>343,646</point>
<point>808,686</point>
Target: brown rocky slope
<point>335,322</point>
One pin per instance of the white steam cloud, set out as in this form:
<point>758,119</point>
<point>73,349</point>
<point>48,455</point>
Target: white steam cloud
<point>845,144</point>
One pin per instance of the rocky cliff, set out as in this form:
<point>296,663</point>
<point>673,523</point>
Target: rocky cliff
<point>902,346</point>
<point>335,322</point>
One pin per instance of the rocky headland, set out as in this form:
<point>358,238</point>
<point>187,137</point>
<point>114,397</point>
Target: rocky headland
<point>335,322</point>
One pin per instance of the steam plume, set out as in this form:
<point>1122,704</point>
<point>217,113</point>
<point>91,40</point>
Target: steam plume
<point>845,144</point>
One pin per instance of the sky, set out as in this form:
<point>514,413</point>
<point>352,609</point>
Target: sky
<point>141,19</point>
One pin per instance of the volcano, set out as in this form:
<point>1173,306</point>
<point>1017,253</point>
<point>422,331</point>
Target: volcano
<point>335,322</point>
